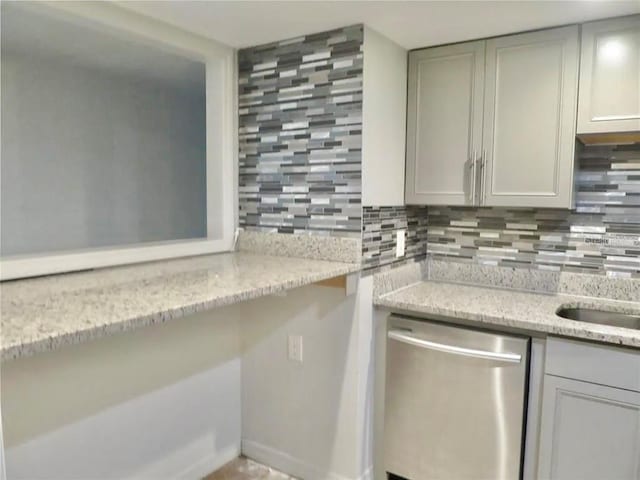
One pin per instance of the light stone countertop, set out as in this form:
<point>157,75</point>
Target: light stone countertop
<point>534,312</point>
<point>43,314</point>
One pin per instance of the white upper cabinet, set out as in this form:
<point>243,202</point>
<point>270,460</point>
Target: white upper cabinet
<point>493,122</point>
<point>610,76</point>
<point>529,119</point>
<point>444,123</point>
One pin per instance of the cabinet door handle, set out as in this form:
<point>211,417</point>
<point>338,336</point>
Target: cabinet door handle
<point>483,173</point>
<point>472,178</point>
<point>615,117</point>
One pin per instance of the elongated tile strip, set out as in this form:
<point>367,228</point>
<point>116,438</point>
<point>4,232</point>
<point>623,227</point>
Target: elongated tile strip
<point>601,236</point>
<point>300,134</point>
<point>379,228</point>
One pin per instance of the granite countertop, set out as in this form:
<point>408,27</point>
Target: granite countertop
<point>510,308</point>
<point>42,314</point>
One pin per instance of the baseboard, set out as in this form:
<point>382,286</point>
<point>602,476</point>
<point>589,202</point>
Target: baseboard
<point>209,464</point>
<point>293,466</point>
<point>181,465</point>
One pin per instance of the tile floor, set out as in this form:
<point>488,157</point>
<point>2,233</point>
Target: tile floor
<point>243,468</point>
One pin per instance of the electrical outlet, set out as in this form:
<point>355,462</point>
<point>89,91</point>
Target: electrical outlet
<point>294,348</point>
<point>400,234</point>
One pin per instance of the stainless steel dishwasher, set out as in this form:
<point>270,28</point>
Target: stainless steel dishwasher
<point>455,402</point>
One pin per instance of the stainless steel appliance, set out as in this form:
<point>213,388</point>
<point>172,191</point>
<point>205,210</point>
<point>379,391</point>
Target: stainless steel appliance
<point>454,402</point>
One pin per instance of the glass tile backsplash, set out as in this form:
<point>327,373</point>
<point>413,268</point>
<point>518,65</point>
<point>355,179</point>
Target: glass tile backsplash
<point>602,234</point>
<point>300,134</point>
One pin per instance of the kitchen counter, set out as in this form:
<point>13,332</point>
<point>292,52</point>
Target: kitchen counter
<point>42,314</point>
<point>533,312</point>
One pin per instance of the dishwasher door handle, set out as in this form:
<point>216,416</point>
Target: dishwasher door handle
<point>405,337</point>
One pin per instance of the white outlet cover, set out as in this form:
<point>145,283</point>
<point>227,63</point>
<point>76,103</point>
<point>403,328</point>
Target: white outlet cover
<point>400,235</point>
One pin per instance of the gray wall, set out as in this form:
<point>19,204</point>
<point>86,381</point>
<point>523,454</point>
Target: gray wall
<point>92,160</point>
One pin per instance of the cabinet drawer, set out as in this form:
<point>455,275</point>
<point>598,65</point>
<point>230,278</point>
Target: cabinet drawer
<point>602,364</point>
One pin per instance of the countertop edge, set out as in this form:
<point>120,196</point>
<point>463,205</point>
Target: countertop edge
<point>585,331</point>
<point>30,348</point>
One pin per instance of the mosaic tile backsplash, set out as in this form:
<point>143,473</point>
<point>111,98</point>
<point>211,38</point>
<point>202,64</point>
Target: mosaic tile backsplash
<point>300,134</point>
<point>379,228</point>
<point>602,235</point>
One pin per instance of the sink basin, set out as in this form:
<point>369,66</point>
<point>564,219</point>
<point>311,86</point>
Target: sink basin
<point>601,317</point>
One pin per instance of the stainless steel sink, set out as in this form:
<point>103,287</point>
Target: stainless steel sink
<point>601,317</point>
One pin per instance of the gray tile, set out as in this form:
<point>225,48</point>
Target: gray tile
<point>602,235</point>
<point>379,228</point>
<point>300,134</point>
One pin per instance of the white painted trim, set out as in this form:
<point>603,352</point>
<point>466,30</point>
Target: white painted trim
<point>221,81</point>
<point>3,469</point>
<point>173,466</point>
<point>34,265</point>
<point>209,464</point>
<point>288,464</point>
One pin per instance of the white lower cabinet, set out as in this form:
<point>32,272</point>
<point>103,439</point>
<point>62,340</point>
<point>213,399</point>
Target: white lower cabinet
<point>589,431</point>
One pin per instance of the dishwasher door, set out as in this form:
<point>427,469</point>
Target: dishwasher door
<point>454,402</point>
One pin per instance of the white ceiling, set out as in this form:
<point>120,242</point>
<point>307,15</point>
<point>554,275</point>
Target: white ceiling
<point>412,24</point>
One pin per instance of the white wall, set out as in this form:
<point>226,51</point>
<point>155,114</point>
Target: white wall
<point>94,159</point>
<point>308,419</point>
<point>178,400</point>
<point>3,472</point>
<point>159,402</point>
<point>379,362</point>
<point>366,379</point>
<point>384,116</point>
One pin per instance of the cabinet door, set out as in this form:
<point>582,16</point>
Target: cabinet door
<point>610,76</point>
<point>588,432</point>
<point>529,119</point>
<point>444,125</point>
